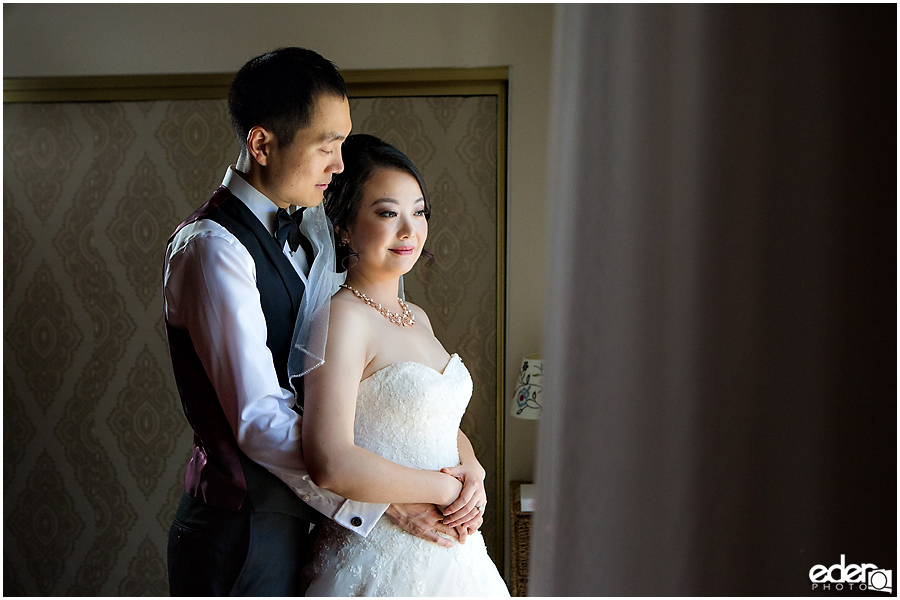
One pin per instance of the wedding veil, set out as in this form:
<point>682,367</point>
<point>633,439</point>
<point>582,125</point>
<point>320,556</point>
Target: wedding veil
<point>311,329</point>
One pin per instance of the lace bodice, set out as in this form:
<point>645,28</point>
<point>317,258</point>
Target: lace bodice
<point>409,413</point>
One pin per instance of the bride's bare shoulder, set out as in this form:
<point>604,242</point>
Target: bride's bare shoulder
<point>344,306</point>
<point>349,329</point>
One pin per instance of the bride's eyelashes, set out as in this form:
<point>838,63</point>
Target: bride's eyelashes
<point>388,214</point>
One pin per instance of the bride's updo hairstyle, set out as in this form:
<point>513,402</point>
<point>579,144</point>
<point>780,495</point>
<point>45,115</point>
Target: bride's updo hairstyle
<point>363,155</point>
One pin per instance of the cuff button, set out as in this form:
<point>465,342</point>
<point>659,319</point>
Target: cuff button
<point>356,521</point>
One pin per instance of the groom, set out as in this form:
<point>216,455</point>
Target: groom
<point>235,273</point>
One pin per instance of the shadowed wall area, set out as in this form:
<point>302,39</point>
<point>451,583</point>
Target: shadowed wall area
<point>94,439</point>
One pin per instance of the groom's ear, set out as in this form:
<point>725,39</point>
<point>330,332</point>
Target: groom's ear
<point>260,142</point>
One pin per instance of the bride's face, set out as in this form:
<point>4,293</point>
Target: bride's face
<point>390,227</point>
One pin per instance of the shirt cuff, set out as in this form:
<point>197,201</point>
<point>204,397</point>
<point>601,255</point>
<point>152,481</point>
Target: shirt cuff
<point>359,517</point>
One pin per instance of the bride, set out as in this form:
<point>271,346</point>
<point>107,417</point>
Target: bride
<point>381,415</point>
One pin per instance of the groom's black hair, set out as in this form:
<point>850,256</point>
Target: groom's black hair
<point>363,154</point>
<point>278,91</point>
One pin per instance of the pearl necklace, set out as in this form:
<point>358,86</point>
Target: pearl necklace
<point>403,320</point>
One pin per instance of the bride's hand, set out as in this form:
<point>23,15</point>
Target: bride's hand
<point>466,529</point>
<point>467,510</point>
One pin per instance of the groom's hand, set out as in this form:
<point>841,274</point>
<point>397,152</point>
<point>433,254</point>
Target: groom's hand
<point>424,521</point>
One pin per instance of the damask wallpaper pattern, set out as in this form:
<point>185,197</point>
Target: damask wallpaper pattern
<point>94,439</point>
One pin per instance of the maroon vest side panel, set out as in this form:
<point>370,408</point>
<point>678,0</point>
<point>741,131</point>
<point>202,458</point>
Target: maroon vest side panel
<point>214,472</point>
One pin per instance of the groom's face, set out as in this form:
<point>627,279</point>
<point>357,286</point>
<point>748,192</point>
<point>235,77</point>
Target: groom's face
<point>300,173</point>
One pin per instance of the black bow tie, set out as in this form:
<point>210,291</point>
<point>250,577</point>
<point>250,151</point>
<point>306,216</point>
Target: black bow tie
<point>289,230</point>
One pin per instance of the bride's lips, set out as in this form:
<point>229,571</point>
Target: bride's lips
<point>403,250</point>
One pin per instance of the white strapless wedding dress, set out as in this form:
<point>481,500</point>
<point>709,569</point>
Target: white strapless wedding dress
<point>409,413</point>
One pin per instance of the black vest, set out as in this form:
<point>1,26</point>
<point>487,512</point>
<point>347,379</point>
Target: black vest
<point>219,473</point>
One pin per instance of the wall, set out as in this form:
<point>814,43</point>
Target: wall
<point>108,39</point>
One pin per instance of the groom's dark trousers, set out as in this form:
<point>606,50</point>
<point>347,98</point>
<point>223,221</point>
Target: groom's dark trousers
<point>239,530</point>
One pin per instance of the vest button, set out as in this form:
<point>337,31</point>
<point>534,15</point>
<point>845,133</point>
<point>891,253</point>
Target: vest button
<point>356,521</point>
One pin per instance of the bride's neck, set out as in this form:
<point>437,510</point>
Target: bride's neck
<point>383,291</point>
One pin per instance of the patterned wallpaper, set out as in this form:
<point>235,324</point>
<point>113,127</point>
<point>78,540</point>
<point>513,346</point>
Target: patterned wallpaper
<point>94,439</point>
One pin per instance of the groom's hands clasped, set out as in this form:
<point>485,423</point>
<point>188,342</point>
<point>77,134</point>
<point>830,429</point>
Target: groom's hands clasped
<point>424,521</point>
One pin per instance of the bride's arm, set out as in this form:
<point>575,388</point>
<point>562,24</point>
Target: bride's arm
<point>332,458</point>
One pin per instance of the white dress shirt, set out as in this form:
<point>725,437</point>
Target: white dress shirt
<point>210,289</point>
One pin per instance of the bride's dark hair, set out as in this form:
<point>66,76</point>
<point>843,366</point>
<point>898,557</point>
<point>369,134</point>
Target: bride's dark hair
<point>364,154</point>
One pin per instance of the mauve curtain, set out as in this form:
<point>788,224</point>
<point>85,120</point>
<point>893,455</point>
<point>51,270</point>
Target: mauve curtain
<point>721,324</point>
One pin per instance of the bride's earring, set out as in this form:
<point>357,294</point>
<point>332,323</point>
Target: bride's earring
<point>345,241</point>
<point>350,254</point>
